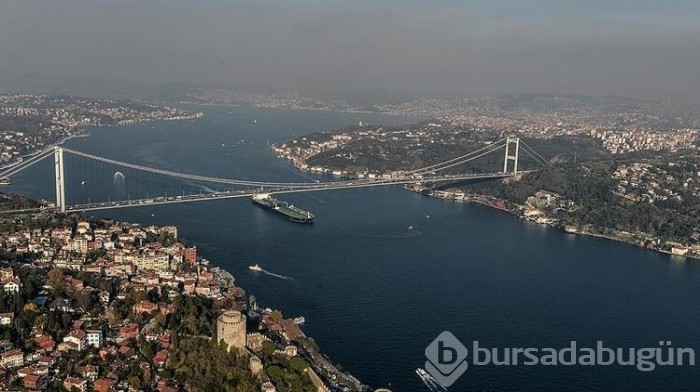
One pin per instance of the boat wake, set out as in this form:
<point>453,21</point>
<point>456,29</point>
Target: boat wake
<point>274,275</point>
<point>278,276</point>
<point>430,381</point>
<point>202,187</point>
<point>301,174</point>
<point>318,199</point>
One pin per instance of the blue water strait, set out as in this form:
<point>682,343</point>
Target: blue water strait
<point>375,292</point>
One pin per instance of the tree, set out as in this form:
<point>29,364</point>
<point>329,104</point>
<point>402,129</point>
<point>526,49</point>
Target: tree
<point>55,279</point>
<point>298,364</point>
<point>24,323</point>
<point>206,366</point>
<point>153,295</point>
<point>134,381</point>
<point>147,349</point>
<point>276,316</point>
<point>268,348</point>
<point>3,301</point>
<point>275,372</point>
<point>55,386</point>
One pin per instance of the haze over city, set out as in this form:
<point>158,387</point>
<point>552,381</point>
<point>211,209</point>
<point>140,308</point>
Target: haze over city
<point>338,48</point>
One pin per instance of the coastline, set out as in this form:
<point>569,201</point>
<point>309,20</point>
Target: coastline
<point>169,271</point>
<point>82,133</point>
<point>10,165</point>
<point>322,370</point>
<point>484,200</point>
<point>288,107</point>
<point>642,240</point>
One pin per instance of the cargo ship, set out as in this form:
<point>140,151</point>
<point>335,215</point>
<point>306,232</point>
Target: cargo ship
<point>288,211</point>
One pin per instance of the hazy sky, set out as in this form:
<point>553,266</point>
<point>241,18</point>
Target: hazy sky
<point>636,48</point>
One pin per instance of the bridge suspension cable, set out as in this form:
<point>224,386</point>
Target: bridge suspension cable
<point>194,177</point>
<point>537,157</point>
<point>297,185</point>
<point>491,148</point>
<point>28,163</point>
<point>461,159</point>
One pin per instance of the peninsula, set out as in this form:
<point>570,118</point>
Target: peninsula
<point>31,123</point>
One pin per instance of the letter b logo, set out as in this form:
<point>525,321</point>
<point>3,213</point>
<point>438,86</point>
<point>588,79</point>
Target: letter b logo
<point>446,355</point>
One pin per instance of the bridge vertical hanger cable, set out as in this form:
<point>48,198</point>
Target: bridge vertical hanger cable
<point>465,156</point>
<point>540,159</point>
<point>536,159</point>
<point>190,176</point>
<point>490,148</point>
<point>28,163</point>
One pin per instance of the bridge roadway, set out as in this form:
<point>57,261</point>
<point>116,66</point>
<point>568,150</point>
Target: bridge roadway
<point>321,186</point>
<point>307,187</point>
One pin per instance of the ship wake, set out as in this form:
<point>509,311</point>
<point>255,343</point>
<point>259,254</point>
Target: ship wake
<point>202,187</point>
<point>274,275</point>
<point>430,381</point>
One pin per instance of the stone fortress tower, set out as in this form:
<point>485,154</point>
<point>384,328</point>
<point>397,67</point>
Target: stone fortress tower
<point>231,328</point>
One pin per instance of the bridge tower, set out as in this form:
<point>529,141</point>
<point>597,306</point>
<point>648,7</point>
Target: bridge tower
<point>60,180</point>
<point>514,157</point>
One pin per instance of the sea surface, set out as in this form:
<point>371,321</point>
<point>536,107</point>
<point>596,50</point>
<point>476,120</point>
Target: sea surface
<point>384,271</point>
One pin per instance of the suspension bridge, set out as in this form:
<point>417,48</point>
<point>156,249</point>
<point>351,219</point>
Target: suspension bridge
<point>439,173</point>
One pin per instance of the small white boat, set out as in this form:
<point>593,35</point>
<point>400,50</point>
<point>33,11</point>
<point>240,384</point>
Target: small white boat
<point>422,373</point>
<point>299,320</point>
<point>430,381</point>
<point>255,267</point>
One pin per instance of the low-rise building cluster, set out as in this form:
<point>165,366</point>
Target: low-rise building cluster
<point>619,142</point>
<point>348,153</point>
<point>92,269</point>
<point>658,182</point>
